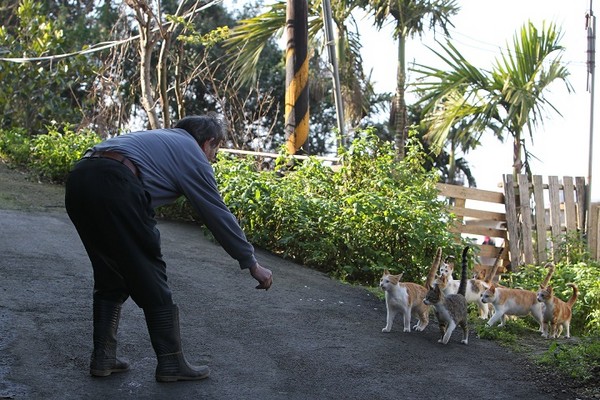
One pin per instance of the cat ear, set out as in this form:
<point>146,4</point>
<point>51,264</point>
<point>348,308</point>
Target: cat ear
<point>386,272</point>
<point>400,276</point>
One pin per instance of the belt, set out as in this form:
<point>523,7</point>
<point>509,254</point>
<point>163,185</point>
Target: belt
<point>113,155</point>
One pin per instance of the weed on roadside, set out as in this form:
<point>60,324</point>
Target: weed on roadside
<point>579,359</point>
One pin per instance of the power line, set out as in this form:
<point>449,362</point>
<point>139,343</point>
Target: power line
<point>92,49</point>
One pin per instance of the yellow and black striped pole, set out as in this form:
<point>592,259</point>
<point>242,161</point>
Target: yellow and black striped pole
<point>296,75</point>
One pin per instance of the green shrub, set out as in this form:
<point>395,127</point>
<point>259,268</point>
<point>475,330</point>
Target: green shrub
<point>373,213</point>
<point>579,360</point>
<point>53,154</point>
<point>15,146</point>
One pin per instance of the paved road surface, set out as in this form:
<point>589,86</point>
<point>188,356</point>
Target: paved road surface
<point>309,337</point>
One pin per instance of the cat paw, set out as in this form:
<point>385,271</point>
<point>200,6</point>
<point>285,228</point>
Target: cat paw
<point>406,329</point>
<point>386,329</point>
<point>464,341</point>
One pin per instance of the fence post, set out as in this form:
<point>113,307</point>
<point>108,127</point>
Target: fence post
<point>555,220</point>
<point>593,230</point>
<point>540,219</point>
<point>511,222</point>
<point>525,207</point>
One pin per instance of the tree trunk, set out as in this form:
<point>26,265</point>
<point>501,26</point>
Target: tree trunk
<point>399,117</point>
<point>162,79</point>
<point>178,89</point>
<point>452,164</point>
<point>517,157</point>
<point>143,15</point>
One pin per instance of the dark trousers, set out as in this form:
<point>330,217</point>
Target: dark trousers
<point>111,212</point>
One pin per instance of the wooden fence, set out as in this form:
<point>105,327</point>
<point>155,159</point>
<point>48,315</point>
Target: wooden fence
<point>530,218</point>
<point>539,215</point>
<point>479,212</point>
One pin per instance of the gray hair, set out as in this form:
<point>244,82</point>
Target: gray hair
<point>203,128</point>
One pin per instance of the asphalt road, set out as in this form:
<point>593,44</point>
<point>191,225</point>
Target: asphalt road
<point>309,337</point>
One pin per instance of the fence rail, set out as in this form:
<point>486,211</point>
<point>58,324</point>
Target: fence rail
<point>477,213</point>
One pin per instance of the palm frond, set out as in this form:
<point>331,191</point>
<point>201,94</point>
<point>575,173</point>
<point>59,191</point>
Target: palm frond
<point>248,39</point>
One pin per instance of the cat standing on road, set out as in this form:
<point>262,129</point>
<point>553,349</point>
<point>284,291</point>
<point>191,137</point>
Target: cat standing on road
<point>451,310</point>
<point>407,298</point>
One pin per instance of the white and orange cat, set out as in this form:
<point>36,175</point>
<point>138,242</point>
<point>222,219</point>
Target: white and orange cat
<point>451,310</point>
<point>556,313</point>
<point>406,298</point>
<point>517,302</point>
<point>475,287</point>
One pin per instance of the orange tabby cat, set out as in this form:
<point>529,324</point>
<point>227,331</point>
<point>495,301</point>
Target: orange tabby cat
<point>518,302</point>
<point>556,313</point>
<point>406,298</point>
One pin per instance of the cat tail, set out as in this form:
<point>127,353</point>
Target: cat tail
<point>462,288</point>
<point>551,267</point>
<point>434,267</point>
<point>571,301</point>
<point>490,277</point>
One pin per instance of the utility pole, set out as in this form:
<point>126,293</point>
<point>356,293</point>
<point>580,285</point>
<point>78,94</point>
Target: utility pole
<point>590,25</point>
<point>330,39</point>
<point>296,75</point>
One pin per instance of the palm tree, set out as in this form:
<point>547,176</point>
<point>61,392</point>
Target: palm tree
<point>509,99</point>
<point>409,17</point>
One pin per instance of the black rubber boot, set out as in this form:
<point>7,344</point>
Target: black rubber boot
<point>104,356</point>
<point>163,326</point>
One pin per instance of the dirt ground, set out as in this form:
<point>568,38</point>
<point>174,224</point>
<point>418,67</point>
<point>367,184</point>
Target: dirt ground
<point>309,337</point>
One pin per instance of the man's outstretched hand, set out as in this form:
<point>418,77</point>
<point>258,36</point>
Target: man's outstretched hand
<point>263,275</point>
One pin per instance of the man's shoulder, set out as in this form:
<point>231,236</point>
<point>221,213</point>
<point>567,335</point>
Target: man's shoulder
<point>164,132</point>
<point>167,136</point>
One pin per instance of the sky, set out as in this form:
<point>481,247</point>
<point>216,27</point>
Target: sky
<point>482,29</point>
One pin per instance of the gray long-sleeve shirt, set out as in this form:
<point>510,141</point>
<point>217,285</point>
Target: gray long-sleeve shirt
<point>172,164</point>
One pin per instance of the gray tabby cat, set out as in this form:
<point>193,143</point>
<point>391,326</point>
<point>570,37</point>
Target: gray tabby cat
<point>451,310</point>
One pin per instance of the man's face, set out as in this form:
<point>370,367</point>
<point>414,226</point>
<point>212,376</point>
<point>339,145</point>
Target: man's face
<point>210,148</point>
